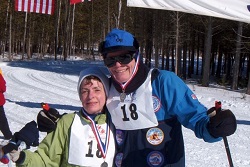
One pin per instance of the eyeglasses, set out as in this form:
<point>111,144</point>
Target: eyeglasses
<point>122,59</point>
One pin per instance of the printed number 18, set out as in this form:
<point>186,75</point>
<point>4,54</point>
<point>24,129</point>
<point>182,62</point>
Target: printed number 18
<point>133,113</point>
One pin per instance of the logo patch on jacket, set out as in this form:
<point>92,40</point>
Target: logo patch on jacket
<point>119,136</point>
<point>118,159</point>
<point>155,136</point>
<point>155,159</point>
<point>156,103</point>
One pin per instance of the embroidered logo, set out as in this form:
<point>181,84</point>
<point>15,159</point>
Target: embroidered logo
<point>155,136</point>
<point>155,159</point>
<point>119,137</point>
<point>118,159</point>
<point>156,103</point>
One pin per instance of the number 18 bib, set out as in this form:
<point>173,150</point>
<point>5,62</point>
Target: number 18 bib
<point>136,112</point>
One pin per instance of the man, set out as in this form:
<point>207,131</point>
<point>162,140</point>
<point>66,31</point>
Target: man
<point>148,108</point>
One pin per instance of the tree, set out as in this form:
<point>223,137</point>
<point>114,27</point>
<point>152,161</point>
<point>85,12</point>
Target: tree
<point>237,58</point>
<point>208,44</point>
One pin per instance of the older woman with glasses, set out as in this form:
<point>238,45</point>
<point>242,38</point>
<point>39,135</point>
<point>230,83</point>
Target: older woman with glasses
<point>149,106</point>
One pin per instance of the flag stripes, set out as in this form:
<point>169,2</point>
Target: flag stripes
<point>36,6</point>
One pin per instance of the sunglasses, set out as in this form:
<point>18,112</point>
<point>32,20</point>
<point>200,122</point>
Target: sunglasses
<point>122,59</point>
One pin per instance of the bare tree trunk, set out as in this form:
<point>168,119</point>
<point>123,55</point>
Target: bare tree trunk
<point>10,34</point>
<point>184,66</point>
<point>2,46</point>
<point>42,43</point>
<point>172,56</point>
<point>219,63</point>
<point>198,55</point>
<point>92,30</point>
<point>66,32</point>
<point>149,40</point>
<point>72,46</point>
<point>207,49</point>
<point>177,46</point>
<point>28,39</point>
<point>119,14</point>
<point>156,56</point>
<point>24,34</point>
<point>237,58</point>
<point>57,21</point>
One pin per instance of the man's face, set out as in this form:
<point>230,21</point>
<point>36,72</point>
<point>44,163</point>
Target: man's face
<point>121,71</point>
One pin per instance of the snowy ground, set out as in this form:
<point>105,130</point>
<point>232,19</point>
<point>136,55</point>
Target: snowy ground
<point>54,82</point>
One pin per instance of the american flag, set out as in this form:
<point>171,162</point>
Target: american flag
<point>36,6</point>
<point>77,1</point>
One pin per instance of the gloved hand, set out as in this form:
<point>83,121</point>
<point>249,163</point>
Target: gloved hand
<point>9,147</point>
<point>3,157</point>
<point>29,134</point>
<point>222,122</point>
<point>47,118</point>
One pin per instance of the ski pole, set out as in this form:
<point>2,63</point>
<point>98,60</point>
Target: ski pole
<point>229,157</point>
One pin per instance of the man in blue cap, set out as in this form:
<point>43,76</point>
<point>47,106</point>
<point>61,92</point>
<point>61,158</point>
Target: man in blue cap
<point>148,107</point>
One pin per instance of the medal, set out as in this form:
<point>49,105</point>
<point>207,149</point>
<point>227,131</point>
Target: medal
<point>104,164</point>
<point>122,96</point>
<point>103,145</point>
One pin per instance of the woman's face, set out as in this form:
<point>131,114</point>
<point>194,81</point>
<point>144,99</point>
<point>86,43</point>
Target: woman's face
<point>93,96</point>
<point>121,72</point>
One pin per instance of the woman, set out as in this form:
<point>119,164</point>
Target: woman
<point>84,138</point>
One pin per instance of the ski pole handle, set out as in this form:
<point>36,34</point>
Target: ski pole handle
<point>229,157</point>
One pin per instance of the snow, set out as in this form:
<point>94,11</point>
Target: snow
<point>31,82</point>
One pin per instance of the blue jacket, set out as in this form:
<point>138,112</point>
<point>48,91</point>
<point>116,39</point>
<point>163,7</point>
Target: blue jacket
<point>175,105</point>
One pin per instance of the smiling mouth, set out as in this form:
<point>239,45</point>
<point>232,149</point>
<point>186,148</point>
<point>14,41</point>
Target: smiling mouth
<point>120,71</point>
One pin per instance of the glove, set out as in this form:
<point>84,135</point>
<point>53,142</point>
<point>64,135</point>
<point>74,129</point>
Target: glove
<point>52,113</point>
<point>222,122</point>
<point>45,122</point>
<point>9,147</point>
<point>3,157</point>
<point>29,134</point>
<point>47,118</point>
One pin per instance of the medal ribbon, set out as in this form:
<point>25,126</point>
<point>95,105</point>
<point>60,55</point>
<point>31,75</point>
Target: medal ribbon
<point>103,146</point>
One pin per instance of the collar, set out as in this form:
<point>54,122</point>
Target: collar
<point>98,118</point>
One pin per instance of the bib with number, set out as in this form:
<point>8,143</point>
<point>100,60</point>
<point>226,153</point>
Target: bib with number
<point>83,149</point>
<point>136,112</point>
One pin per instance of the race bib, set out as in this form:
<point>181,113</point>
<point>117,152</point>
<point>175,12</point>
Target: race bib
<point>83,147</point>
<point>136,111</point>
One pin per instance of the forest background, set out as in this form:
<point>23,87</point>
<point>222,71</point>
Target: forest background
<point>203,48</point>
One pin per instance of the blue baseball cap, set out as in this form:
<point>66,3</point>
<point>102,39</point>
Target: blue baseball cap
<point>118,40</point>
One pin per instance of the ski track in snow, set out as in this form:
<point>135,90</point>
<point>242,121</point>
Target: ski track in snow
<point>29,84</point>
